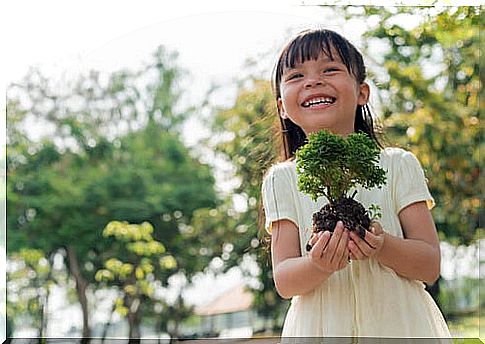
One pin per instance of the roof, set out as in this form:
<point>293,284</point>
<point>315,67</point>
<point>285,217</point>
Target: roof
<point>234,300</point>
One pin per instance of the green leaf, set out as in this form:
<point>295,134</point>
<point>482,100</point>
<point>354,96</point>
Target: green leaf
<point>330,165</point>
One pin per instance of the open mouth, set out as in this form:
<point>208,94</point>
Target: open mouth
<point>318,101</point>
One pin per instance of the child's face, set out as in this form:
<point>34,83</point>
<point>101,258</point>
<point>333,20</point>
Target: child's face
<point>321,94</point>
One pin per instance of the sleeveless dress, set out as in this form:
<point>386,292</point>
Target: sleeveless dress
<point>365,299</point>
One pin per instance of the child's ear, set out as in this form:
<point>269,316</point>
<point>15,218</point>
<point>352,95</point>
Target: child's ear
<point>281,109</point>
<point>364,93</point>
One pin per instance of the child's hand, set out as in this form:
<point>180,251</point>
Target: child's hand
<point>330,252</point>
<point>369,246</point>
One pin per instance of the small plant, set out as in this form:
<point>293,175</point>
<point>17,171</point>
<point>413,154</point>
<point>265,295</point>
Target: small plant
<point>330,165</point>
<point>374,212</point>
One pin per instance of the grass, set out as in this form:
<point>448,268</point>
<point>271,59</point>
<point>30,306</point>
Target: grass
<point>466,330</point>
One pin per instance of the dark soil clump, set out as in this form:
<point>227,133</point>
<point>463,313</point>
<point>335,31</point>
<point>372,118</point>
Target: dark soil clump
<point>348,210</point>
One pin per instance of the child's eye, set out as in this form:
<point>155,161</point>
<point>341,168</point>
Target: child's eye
<point>330,70</point>
<point>294,76</point>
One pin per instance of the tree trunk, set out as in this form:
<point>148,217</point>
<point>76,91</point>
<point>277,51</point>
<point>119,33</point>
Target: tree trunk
<point>44,311</point>
<point>133,304</point>
<point>41,327</point>
<point>44,301</point>
<point>108,324</point>
<point>174,331</point>
<point>81,286</point>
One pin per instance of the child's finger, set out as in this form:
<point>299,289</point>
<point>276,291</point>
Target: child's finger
<point>372,239</point>
<point>341,249</point>
<point>355,250</point>
<point>362,244</point>
<point>319,247</point>
<point>345,259</point>
<point>377,227</point>
<point>313,239</point>
<point>334,241</point>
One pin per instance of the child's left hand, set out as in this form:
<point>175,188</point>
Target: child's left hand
<point>369,246</point>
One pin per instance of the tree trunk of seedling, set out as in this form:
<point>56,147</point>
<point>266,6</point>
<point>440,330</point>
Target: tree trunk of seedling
<point>345,209</point>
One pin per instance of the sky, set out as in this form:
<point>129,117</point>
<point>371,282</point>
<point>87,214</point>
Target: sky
<point>213,38</point>
<point>107,34</point>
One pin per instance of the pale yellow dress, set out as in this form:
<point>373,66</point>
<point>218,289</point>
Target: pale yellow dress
<point>365,299</point>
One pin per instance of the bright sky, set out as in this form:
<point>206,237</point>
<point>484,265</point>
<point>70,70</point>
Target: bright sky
<point>214,37</point>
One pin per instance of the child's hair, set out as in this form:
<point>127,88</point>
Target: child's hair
<point>308,45</point>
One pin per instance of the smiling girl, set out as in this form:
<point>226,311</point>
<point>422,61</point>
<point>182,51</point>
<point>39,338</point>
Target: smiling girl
<point>319,83</point>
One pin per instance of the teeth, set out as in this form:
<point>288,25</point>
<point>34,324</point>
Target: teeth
<point>317,101</point>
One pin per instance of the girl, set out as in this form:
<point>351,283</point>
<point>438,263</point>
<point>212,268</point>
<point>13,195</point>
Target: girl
<point>319,84</point>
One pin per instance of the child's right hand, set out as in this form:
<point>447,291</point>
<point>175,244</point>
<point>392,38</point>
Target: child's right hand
<point>330,253</point>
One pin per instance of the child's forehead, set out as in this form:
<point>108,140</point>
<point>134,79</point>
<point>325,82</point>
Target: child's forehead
<point>323,57</point>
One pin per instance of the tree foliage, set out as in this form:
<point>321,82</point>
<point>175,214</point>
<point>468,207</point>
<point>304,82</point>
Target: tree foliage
<point>430,91</point>
<point>115,153</point>
<point>330,165</point>
<point>249,126</point>
<point>30,276</point>
<point>132,264</point>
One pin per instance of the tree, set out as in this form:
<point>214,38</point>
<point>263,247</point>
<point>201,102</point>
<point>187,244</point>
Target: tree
<point>250,126</point>
<point>115,154</point>
<point>330,165</point>
<point>430,90</point>
<point>30,275</point>
<point>132,264</point>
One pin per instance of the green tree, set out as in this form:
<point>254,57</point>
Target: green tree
<point>132,264</point>
<point>114,153</point>
<point>30,276</point>
<point>330,165</point>
<point>250,126</point>
<point>430,90</point>
<point>429,83</point>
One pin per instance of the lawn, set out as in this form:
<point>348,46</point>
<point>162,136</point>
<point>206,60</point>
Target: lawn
<point>465,328</point>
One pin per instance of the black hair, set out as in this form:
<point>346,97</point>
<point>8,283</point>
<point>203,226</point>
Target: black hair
<point>308,45</point>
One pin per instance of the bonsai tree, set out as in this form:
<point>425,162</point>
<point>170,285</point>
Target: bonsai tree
<point>330,165</point>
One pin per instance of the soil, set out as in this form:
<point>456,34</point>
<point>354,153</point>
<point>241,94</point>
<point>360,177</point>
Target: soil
<point>348,210</point>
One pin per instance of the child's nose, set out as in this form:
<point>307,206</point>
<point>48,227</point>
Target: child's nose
<point>312,82</point>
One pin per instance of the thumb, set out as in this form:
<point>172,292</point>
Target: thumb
<point>376,228</point>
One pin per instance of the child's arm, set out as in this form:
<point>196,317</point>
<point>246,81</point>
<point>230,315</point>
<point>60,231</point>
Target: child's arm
<point>417,256</point>
<point>297,275</point>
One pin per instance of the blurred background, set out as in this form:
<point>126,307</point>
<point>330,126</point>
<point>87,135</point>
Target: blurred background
<point>134,164</point>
